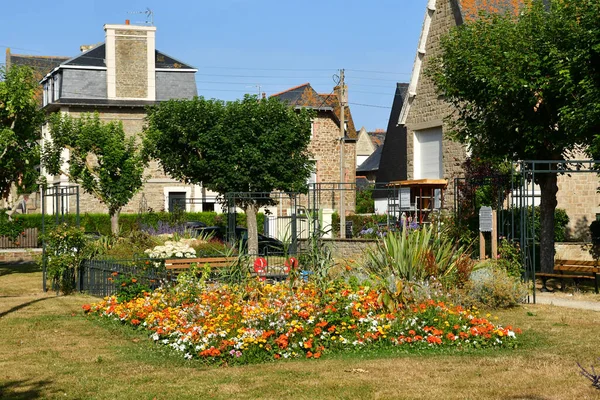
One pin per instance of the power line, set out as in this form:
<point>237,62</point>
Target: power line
<point>369,105</point>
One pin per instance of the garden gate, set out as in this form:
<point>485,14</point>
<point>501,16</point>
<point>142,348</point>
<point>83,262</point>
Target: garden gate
<point>56,203</point>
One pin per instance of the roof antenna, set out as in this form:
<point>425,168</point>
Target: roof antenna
<point>149,16</point>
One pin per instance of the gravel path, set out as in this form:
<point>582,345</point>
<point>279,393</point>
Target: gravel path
<point>562,301</point>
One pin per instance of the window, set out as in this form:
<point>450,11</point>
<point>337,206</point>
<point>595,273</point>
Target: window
<point>312,179</point>
<point>56,87</point>
<point>45,94</point>
<point>428,154</point>
<point>312,128</point>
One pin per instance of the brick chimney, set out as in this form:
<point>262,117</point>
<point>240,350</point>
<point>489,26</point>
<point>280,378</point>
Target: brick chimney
<point>130,62</point>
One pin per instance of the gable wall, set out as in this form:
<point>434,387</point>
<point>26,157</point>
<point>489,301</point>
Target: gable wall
<point>325,148</point>
<point>428,110</point>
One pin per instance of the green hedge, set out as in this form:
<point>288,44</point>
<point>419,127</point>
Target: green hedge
<point>100,223</point>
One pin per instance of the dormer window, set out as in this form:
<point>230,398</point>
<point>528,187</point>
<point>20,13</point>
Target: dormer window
<point>45,94</point>
<point>56,85</point>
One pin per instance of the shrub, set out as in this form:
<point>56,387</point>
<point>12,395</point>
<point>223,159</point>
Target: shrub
<point>129,286</point>
<point>494,288</point>
<point>510,258</point>
<point>65,249</point>
<point>10,227</point>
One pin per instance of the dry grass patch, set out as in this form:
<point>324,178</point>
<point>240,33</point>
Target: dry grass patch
<point>50,350</point>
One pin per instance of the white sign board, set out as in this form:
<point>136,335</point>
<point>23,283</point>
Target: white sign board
<point>404,198</point>
<point>485,219</point>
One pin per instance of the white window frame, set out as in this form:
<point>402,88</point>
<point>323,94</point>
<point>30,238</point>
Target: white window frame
<point>45,94</point>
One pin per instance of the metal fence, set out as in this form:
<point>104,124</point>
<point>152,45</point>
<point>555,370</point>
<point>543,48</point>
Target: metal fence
<point>28,239</point>
<point>97,278</point>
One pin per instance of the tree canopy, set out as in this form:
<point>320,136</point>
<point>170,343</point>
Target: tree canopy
<point>526,88</point>
<point>20,122</point>
<point>250,146</point>
<point>102,159</point>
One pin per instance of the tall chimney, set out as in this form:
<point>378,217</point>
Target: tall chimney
<point>130,61</point>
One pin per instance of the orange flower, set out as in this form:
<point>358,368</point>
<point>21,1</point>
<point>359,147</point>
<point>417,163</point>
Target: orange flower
<point>322,324</point>
<point>309,354</point>
<point>412,333</point>
<point>123,284</point>
<point>317,355</point>
<point>86,307</point>
<point>308,344</point>
<point>115,273</point>
<point>434,340</point>
<point>135,321</point>
<point>277,356</point>
<point>318,331</point>
<point>133,280</point>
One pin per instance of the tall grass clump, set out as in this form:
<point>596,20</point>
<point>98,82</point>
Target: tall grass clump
<point>416,256</point>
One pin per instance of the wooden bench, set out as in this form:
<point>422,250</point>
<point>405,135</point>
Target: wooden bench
<point>572,269</point>
<point>178,265</point>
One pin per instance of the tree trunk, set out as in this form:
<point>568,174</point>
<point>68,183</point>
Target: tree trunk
<point>252,228</point>
<point>548,188</point>
<point>114,222</point>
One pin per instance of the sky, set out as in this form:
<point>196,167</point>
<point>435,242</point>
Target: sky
<point>239,45</point>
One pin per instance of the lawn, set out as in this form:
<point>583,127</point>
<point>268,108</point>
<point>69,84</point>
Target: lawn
<point>50,350</point>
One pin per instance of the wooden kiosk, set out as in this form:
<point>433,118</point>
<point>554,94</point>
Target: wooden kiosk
<point>418,198</point>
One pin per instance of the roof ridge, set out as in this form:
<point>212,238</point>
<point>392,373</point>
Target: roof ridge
<point>32,56</point>
<point>290,89</point>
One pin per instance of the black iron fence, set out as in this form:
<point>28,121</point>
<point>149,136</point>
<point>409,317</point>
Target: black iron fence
<point>102,277</point>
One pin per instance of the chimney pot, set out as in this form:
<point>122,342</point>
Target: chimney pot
<point>127,22</point>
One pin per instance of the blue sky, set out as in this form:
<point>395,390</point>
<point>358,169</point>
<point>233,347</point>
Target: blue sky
<point>239,44</point>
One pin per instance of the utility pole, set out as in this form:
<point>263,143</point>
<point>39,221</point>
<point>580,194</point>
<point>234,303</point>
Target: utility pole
<point>342,98</point>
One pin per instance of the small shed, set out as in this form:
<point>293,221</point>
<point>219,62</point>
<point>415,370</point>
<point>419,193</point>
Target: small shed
<point>419,198</point>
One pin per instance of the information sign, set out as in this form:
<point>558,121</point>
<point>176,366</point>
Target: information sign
<point>485,219</point>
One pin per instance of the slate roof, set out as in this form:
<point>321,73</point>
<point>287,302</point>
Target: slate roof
<point>95,57</point>
<point>305,96</point>
<point>372,162</point>
<point>392,164</point>
<point>470,9</point>
<point>40,64</point>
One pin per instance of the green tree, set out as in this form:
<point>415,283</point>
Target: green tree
<point>20,122</point>
<point>526,88</point>
<point>106,163</point>
<point>250,146</point>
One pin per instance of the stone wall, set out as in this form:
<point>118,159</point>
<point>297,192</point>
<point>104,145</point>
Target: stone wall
<point>578,195</point>
<point>325,148</point>
<point>579,251</point>
<point>19,255</point>
<point>348,250</point>
<point>428,109</point>
<point>131,55</point>
<point>152,194</point>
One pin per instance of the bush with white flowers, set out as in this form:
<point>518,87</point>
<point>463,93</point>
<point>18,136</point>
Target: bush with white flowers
<point>170,249</point>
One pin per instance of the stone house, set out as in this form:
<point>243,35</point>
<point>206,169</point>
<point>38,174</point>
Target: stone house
<point>431,154</point>
<point>326,141</point>
<point>40,65</point>
<point>118,79</point>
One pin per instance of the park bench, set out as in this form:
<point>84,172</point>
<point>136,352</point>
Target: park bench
<point>572,269</point>
<point>178,265</point>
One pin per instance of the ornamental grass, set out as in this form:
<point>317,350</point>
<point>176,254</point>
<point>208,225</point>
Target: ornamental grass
<point>259,322</point>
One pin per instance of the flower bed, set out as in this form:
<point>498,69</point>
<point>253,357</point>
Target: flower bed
<point>265,322</point>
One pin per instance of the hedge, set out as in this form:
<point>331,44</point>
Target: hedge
<point>100,223</point>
